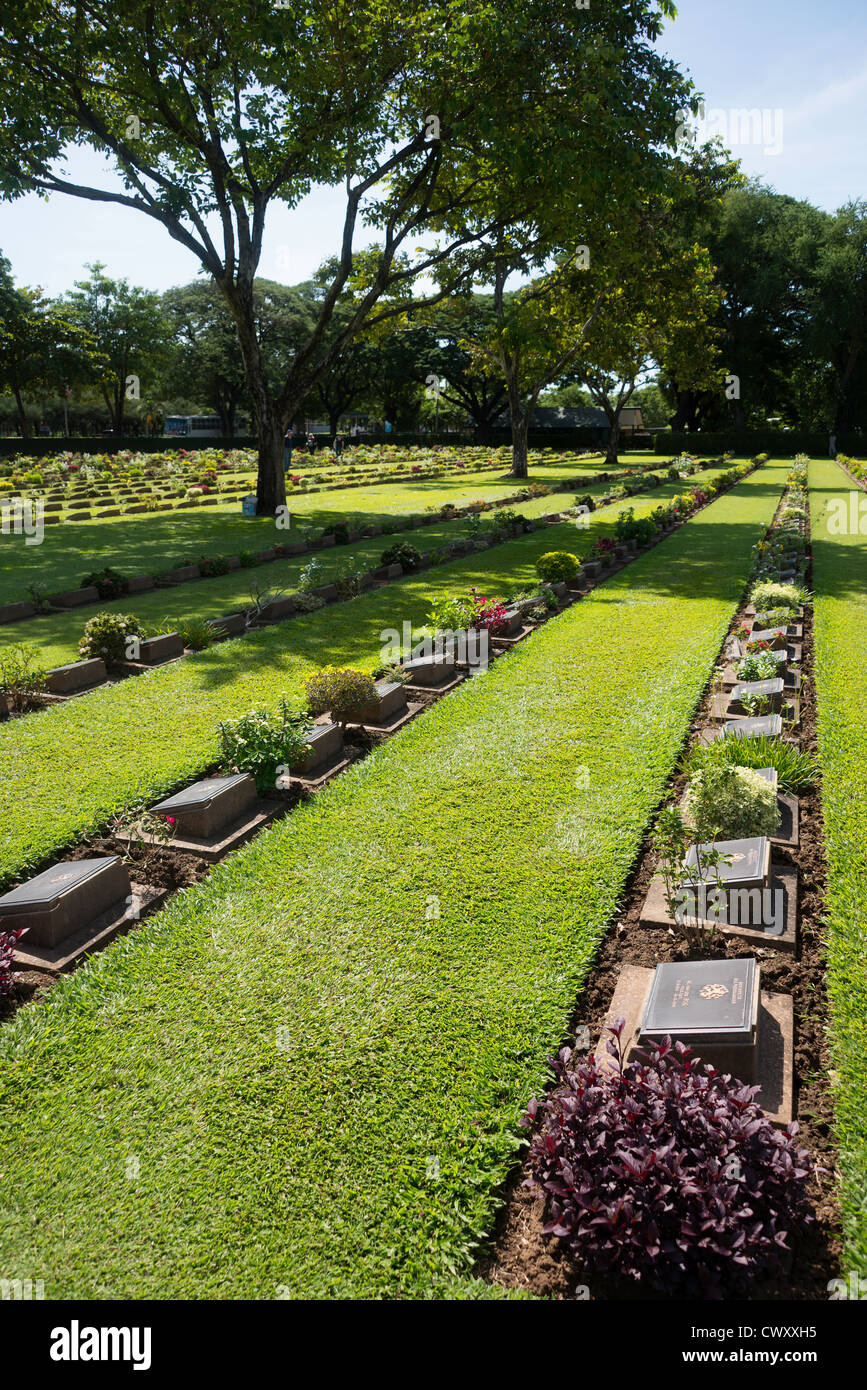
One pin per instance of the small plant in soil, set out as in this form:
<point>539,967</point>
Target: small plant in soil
<point>22,675</point>
<point>666,1172</point>
<point>9,939</point>
<point>690,888</point>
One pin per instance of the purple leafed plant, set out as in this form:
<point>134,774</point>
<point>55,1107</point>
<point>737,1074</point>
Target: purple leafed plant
<point>666,1171</point>
<point>8,942</point>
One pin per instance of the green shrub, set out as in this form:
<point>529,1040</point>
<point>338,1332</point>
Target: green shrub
<point>794,770</point>
<point>557,566</point>
<point>758,666</point>
<point>402,554</point>
<point>265,743</point>
<point>339,692</point>
<point>107,634</point>
<point>586,501</point>
<point>769,593</point>
<point>452,614</point>
<point>248,559</point>
<point>109,583</point>
<point>735,800</point>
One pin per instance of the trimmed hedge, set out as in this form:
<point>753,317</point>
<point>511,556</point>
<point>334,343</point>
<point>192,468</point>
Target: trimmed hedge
<point>775,443</point>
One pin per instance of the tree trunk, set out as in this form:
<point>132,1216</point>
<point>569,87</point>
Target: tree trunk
<point>333,422</point>
<point>270,422</point>
<point>22,416</point>
<point>519,419</point>
<point>613,438</point>
<point>271,483</point>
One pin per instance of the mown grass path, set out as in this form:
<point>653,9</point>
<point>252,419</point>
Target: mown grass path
<point>153,541</point>
<point>318,1056</point>
<point>840,583</point>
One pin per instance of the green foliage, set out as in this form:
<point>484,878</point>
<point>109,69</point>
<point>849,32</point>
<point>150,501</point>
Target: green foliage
<point>795,771</point>
<point>402,554</point>
<point>558,566</point>
<point>109,583</point>
<point>107,634</point>
<point>768,593</point>
<point>758,666</point>
<point>452,613</point>
<point>736,801</point>
<point>197,634</point>
<point>265,742</point>
<point>339,692</point>
<point>22,673</point>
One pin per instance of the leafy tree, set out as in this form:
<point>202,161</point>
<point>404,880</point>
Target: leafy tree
<point>835,332</point>
<point>130,331</point>
<point>40,345</point>
<point>448,127</point>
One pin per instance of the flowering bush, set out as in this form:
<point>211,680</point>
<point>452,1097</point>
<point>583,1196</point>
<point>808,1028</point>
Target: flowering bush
<point>489,613</point>
<point>108,583</point>
<point>107,634</point>
<point>402,554</point>
<point>667,1172</point>
<point>736,801</point>
<point>265,741</point>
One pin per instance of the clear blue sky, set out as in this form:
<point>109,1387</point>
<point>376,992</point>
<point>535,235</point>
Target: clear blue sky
<point>807,60</point>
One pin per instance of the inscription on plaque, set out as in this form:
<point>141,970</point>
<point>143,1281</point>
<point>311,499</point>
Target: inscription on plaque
<point>702,1001</point>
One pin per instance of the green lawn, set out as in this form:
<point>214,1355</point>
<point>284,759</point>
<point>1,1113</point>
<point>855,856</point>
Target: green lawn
<point>840,582</point>
<point>68,768</point>
<point>319,1055</point>
<point>57,636</point>
<point>154,541</point>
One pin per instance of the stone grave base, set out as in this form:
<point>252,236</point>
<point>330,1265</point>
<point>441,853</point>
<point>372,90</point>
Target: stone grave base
<point>445,684</point>
<point>791,708</point>
<point>775,1041</point>
<point>396,721</point>
<point>93,936</point>
<point>317,776</point>
<point>655,913</point>
<point>505,643</point>
<point>230,837</point>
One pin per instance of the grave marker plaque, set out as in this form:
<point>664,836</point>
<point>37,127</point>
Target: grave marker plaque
<point>769,690</point>
<point>765,726</point>
<point>711,1006</point>
<point>65,898</point>
<point>203,809</point>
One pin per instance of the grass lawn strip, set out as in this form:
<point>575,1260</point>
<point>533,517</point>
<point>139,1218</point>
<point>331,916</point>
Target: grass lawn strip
<point>153,541</point>
<point>319,1054</point>
<point>840,625</point>
<point>67,769</point>
<point>58,636</point>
